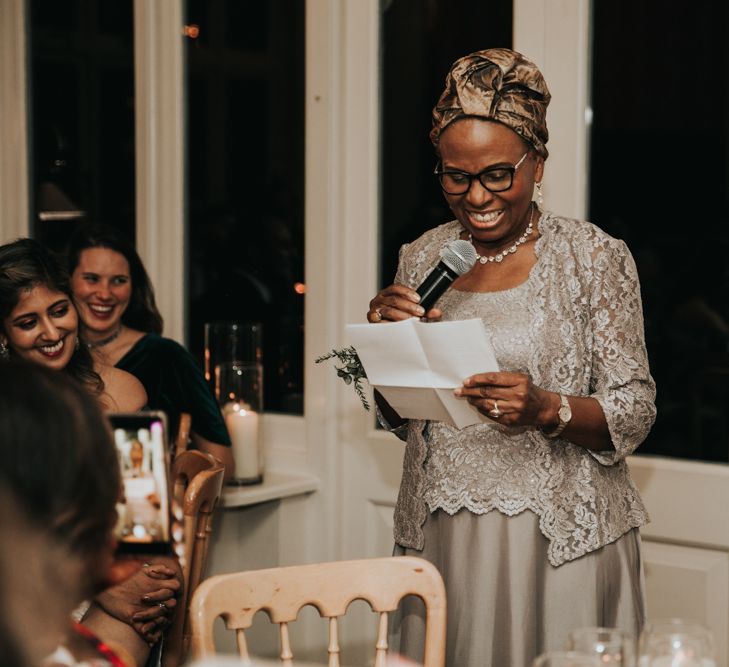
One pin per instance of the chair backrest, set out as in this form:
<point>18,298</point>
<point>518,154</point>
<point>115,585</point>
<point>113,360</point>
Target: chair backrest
<point>330,587</point>
<point>198,482</point>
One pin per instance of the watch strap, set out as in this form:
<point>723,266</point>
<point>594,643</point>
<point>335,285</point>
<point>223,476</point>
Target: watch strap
<point>564,407</point>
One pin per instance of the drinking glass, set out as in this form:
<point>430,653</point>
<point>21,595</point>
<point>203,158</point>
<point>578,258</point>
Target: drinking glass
<point>676,642</point>
<point>611,645</point>
<point>566,659</point>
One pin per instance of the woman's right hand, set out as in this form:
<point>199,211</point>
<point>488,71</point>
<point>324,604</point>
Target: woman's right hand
<point>397,302</point>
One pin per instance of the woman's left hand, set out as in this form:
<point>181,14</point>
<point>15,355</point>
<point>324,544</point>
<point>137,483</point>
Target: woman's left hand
<point>146,597</point>
<point>508,398</point>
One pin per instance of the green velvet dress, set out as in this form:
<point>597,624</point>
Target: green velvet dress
<point>175,384</point>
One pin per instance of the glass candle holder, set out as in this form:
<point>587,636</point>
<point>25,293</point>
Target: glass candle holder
<point>612,645</point>
<point>231,342</point>
<point>676,642</point>
<point>239,389</point>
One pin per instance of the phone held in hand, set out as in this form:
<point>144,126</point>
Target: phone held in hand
<point>144,513</point>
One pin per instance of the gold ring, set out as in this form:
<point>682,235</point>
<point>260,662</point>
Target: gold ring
<point>376,315</point>
<point>495,412</point>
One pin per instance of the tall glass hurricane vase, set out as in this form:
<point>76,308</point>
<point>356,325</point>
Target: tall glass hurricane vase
<point>676,642</point>
<point>233,352</point>
<point>612,645</point>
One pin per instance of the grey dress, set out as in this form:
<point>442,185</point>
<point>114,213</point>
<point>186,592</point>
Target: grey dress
<point>561,549</point>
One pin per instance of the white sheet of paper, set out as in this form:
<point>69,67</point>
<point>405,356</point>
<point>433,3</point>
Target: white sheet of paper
<point>417,365</point>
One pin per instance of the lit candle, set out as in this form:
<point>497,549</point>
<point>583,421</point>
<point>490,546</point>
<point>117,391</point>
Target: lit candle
<point>242,425</point>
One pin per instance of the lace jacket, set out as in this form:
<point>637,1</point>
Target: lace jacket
<point>576,326</point>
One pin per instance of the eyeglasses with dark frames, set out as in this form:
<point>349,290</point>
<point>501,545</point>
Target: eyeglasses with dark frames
<point>494,179</point>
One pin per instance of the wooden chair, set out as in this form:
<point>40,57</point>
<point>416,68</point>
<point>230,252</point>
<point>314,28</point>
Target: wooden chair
<point>197,480</point>
<point>330,587</point>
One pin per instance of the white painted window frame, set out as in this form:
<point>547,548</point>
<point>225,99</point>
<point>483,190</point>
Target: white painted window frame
<point>554,34</point>
<point>14,202</point>
<point>160,154</point>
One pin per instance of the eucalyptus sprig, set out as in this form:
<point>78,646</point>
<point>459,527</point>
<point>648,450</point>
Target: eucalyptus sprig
<point>351,370</point>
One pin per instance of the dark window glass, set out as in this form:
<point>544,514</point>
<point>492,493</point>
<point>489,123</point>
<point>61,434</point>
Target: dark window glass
<point>420,41</point>
<point>658,180</point>
<point>243,24</point>
<point>82,116</point>
<point>246,180</point>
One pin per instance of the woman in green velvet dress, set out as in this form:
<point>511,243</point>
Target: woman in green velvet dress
<point>121,325</point>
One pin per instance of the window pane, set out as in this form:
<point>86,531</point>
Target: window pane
<point>420,41</point>
<point>82,116</point>
<point>246,180</point>
<point>660,105</point>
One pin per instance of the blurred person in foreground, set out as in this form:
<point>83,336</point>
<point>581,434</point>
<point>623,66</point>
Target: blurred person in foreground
<point>60,483</point>
<point>532,517</point>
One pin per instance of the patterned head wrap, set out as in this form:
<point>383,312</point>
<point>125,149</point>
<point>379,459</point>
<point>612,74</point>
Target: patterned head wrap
<point>500,85</point>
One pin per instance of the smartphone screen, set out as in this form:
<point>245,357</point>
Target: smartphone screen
<point>143,513</point>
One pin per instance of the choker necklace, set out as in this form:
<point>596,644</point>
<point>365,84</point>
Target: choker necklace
<point>499,257</point>
<point>104,341</point>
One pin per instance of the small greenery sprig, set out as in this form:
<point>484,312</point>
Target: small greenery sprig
<point>351,370</point>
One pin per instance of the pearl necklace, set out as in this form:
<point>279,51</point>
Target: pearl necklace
<point>92,345</point>
<point>499,257</point>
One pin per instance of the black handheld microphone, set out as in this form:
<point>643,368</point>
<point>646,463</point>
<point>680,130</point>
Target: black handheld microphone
<point>457,258</point>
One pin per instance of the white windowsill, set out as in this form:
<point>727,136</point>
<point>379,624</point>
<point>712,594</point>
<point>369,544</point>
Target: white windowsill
<point>275,485</point>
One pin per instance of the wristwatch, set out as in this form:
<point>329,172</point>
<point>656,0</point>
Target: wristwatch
<point>564,415</point>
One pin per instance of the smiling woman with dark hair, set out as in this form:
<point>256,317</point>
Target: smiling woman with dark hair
<point>39,324</point>
<point>121,325</point>
<point>531,517</point>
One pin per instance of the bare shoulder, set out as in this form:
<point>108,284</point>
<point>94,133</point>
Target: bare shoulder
<point>122,391</point>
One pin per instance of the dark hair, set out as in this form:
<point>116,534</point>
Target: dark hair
<point>142,313</point>
<point>25,264</point>
<point>58,458</point>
